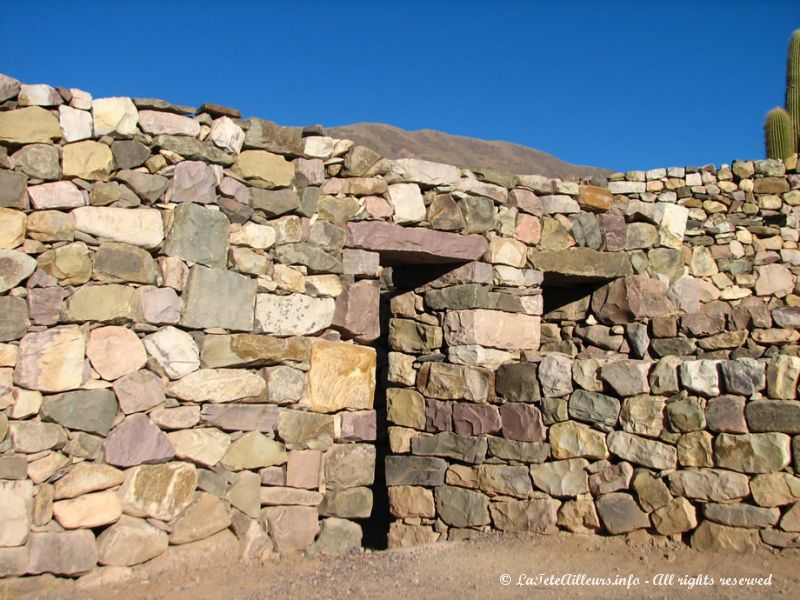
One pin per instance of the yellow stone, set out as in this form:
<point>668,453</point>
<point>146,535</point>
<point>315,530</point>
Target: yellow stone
<point>87,160</point>
<point>342,376</point>
<point>30,125</point>
<point>12,227</point>
<point>265,166</point>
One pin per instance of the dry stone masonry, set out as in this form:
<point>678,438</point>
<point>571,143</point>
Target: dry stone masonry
<point>192,350</point>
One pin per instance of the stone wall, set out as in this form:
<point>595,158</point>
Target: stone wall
<point>192,342</point>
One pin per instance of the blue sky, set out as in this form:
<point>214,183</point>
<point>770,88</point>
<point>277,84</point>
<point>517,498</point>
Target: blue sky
<point>623,85</point>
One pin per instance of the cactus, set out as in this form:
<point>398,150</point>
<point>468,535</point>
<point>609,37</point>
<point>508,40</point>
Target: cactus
<point>793,85</point>
<point>778,134</point>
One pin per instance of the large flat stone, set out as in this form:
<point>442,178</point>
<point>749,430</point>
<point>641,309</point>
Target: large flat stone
<point>62,553</point>
<point>397,244</point>
<point>83,410</point>
<point>295,314</point>
<point>29,125</point>
<point>580,265</point>
<point>495,329</point>
<point>139,227</point>
<point>198,235</point>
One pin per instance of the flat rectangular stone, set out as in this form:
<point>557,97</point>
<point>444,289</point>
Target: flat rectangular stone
<point>399,245</point>
<point>241,417</point>
<point>492,328</point>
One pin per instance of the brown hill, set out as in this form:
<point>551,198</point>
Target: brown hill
<point>465,152</point>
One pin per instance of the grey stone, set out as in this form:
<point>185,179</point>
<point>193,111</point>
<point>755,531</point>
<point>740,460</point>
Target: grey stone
<point>148,187</point>
<point>199,235</point>
<point>14,320</point>
<point>193,149</point>
<point>40,161</point>
<point>415,470</point>
<point>619,513</point>
<point>459,507</point>
<point>517,382</point>
<point>241,417</point>
<point>116,262</point>
<point>349,465</point>
<point>13,189</point>
<point>337,536</point>
<point>743,376</point>
<point>62,553</point>
<point>348,503</point>
<point>129,154</point>
<point>773,415</point>
<point>529,452</point>
<point>451,445</point>
<point>596,409</point>
<point>233,309</point>
<point>84,410</point>
<point>742,515</point>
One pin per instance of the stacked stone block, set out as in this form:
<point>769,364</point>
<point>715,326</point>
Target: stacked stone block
<point>187,300</point>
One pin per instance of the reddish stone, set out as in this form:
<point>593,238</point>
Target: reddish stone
<point>357,312</point>
<point>438,415</point>
<point>44,305</point>
<point>139,391</point>
<point>303,469</point>
<point>529,229</point>
<point>614,232</point>
<point>358,426</point>
<point>522,422</point>
<point>726,414</point>
<point>136,441</point>
<point>398,244</point>
<point>626,299</point>
<point>475,419</point>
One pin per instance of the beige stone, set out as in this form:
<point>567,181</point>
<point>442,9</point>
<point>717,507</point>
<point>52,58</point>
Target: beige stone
<point>129,542</point>
<point>411,501</point>
<point>117,114</point>
<point>272,169</point>
<point>217,385</point>
<point>115,351</point>
<point>51,360</point>
<point>12,227</point>
<point>158,491</point>
<point>677,516</point>
<point>87,477</point>
<point>87,160</point>
<point>204,517</point>
<point>16,512</point>
<point>139,227</point>
<point>30,125</point>
<point>254,450</point>
<point>342,376</point>
<point>493,328</point>
<point>205,446</point>
<point>89,510</point>
<point>720,538</point>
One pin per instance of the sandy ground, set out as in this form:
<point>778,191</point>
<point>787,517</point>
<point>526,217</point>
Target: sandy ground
<point>469,569</point>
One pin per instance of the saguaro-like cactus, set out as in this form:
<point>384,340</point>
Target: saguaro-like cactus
<point>778,134</point>
<point>793,85</point>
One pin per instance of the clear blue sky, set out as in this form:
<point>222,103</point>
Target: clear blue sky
<point>623,85</point>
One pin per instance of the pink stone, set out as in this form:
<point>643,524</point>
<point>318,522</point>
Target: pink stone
<point>526,201</point>
<point>774,280</point>
<point>357,312</point>
<point>51,360</point>
<point>492,328</point>
<point>193,181</point>
<point>60,194</point>
<point>44,305</point>
<point>414,244</point>
<point>378,207</point>
<point>529,229</point>
<point>115,351</point>
<point>313,169</point>
<point>156,123</point>
<point>159,306</point>
<point>475,419</point>
<point>137,441</point>
<point>139,391</point>
<point>614,231</point>
<point>358,426</point>
<point>303,469</point>
<point>522,422</point>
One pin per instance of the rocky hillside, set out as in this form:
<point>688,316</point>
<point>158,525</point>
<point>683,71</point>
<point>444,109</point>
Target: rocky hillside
<point>427,144</point>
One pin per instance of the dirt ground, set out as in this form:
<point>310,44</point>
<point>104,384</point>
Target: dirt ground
<point>490,567</point>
